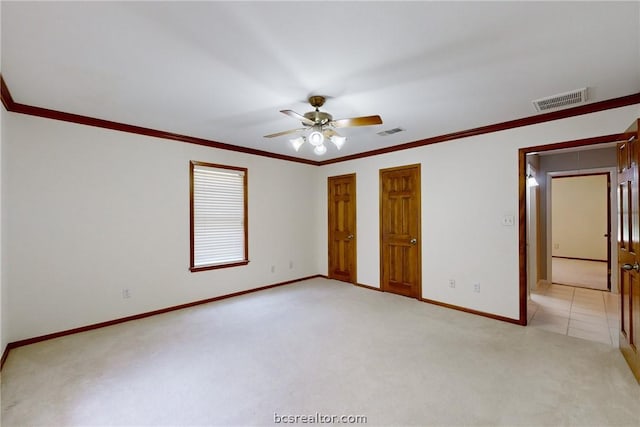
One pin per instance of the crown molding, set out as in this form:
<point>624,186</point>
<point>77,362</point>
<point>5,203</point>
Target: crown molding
<point>497,127</point>
<point>16,107</point>
<point>11,105</point>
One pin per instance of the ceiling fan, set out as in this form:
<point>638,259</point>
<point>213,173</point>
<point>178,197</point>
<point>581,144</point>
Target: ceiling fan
<point>322,126</point>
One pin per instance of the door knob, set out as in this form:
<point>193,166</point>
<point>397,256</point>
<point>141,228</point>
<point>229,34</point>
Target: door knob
<point>630,267</point>
<point>413,241</point>
<point>350,237</point>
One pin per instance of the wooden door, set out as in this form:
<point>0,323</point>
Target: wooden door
<point>400,246</point>
<point>342,227</point>
<point>629,248</point>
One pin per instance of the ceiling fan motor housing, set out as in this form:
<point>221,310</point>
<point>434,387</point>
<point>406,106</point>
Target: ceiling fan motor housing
<point>316,101</point>
<point>318,117</point>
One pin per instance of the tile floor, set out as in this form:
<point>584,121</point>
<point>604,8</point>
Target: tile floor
<point>583,313</point>
<point>578,272</point>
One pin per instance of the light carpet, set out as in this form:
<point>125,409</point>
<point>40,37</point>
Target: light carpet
<point>318,346</point>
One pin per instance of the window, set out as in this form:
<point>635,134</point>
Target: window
<point>218,216</point>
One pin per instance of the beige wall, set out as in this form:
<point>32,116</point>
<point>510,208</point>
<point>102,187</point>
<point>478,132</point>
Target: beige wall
<point>579,217</point>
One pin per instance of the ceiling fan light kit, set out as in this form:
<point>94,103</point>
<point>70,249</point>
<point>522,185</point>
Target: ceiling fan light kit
<point>316,138</point>
<point>338,141</point>
<point>320,149</point>
<point>297,142</point>
<point>322,127</point>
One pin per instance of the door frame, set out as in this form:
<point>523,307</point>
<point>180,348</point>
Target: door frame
<point>522,205</point>
<point>355,225</point>
<point>419,246</point>
<point>533,235</point>
<point>612,226</point>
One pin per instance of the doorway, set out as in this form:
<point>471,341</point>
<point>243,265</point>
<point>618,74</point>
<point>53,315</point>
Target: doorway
<point>400,231</point>
<point>342,228</point>
<point>580,214</point>
<point>574,299</point>
<point>523,155</point>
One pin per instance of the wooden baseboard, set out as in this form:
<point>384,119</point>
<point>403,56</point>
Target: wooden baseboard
<point>476,312</point>
<point>34,340</point>
<point>373,288</point>
<point>455,307</point>
<point>580,259</point>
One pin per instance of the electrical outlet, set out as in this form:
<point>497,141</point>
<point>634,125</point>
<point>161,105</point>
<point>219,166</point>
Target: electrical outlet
<point>508,220</point>
<point>476,287</point>
<point>556,246</point>
<point>125,293</point>
<point>290,265</point>
<point>452,283</point>
<point>273,268</point>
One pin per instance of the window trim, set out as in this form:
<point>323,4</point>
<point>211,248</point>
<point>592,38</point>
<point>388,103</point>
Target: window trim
<point>245,261</point>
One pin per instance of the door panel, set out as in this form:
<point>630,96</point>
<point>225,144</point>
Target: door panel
<point>400,253</point>
<point>629,248</point>
<point>342,227</point>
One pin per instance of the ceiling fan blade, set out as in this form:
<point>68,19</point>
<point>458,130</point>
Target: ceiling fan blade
<point>300,117</point>
<point>357,121</point>
<point>286,132</point>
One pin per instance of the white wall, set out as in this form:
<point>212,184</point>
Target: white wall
<point>579,217</point>
<point>91,211</point>
<point>88,212</point>
<point>468,185</point>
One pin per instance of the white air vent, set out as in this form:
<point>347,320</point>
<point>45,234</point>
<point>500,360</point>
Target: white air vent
<point>567,99</point>
<point>390,131</point>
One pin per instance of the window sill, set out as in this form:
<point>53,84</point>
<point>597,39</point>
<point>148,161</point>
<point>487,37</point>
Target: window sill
<point>217,266</point>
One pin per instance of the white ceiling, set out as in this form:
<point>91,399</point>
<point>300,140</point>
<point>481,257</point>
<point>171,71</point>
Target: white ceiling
<point>223,70</point>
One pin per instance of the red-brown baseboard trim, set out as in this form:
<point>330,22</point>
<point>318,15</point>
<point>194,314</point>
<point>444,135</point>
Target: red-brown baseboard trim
<point>34,340</point>
<point>476,312</point>
<point>456,307</point>
<point>373,288</point>
<point>580,259</point>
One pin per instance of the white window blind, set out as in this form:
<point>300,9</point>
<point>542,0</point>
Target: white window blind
<point>218,215</point>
